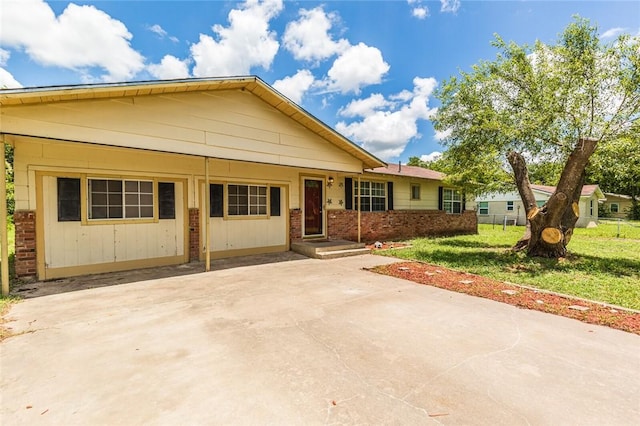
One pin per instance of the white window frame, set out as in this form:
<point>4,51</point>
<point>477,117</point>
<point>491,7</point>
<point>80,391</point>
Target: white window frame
<point>510,206</point>
<point>416,190</point>
<point>256,200</point>
<point>142,199</point>
<point>482,207</point>
<point>450,199</point>
<point>617,210</point>
<point>371,195</point>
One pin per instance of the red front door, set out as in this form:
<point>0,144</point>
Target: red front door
<point>313,207</point>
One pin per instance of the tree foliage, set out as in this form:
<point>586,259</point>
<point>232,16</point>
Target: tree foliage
<point>540,100</point>
<point>541,104</point>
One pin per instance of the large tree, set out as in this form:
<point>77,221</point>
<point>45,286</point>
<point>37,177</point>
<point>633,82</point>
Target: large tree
<point>541,103</point>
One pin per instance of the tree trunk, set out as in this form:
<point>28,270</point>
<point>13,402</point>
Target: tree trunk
<point>550,227</point>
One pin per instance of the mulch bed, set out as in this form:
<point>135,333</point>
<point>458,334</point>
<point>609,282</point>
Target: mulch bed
<point>522,297</point>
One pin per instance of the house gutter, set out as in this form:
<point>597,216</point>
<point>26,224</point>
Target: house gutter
<point>4,244</point>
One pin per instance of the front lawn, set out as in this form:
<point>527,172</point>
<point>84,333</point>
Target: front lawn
<point>600,266</point>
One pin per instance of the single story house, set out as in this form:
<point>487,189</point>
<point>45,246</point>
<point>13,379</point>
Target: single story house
<point>127,175</point>
<point>617,205</point>
<point>497,207</point>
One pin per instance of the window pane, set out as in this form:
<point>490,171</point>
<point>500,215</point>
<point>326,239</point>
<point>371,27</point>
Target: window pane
<point>146,199</point>
<point>457,207</point>
<point>131,186</point>
<point>114,185</point>
<point>115,212</point>
<point>146,211</point>
<point>132,211</point>
<point>146,187</point>
<point>115,199</point>
<point>99,199</point>
<point>98,213</point>
<point>98,185</point>
<point>131,199</point>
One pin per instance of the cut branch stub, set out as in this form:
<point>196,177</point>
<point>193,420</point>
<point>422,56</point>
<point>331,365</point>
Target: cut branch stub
<point>551,235</point>
<point>576,209</point>
<point>532,213</point>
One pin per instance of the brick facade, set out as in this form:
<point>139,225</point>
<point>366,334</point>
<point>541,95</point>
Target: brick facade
<point>194,235</point>
<point>399,224</point>
<point>295,225</point>
<point>25,257</point>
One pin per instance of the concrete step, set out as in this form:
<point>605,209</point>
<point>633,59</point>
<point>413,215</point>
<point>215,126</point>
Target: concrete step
<point>341,253</point>
<point>323,249</point>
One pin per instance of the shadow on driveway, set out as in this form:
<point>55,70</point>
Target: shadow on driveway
<point>28,290</point>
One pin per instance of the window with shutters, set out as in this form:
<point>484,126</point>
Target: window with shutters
<point>244,200</point>
<point>370,196</point>
<point>120,199</point>
<point>452,201</point>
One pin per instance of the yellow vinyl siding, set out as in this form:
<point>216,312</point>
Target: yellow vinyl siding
<point>70,244</point>
<point>227,124</point>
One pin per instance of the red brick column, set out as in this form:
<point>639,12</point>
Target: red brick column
<point>295,225</point>
<point>194,235</point>
<point>25,260</point>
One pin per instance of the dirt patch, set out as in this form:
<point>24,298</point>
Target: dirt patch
<point>522,297</point>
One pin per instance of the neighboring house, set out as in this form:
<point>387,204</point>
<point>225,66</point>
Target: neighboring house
<point>617,205</point>
<point>128,175</point>
<point>496,208</point>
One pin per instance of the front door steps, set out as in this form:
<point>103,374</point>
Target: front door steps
<point>329,249</point>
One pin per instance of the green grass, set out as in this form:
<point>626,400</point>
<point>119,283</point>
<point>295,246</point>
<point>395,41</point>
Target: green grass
<point>600,266</point>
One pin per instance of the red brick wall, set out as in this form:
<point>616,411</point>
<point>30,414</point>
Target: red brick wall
<point>25,260</point>
<point>295,225</point>
<point>194,234</point>
<point>399,224</point>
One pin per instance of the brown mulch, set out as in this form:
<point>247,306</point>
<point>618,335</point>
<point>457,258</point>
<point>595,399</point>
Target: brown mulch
<point>522,297</point>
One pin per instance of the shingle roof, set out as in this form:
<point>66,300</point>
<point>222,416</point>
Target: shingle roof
<point>587,190</point>
<point>408,171</point>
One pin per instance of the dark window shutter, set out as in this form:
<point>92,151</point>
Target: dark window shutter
<point>216,194</point>
<point>389,195</point>
<point>464,202</point>
<point>440,203</point>
<point>274,195</point>
<point>166,200</point>
<point>348,193</point>
<point>68,199</point>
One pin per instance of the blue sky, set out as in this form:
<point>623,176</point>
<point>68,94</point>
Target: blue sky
<point>367,68</point>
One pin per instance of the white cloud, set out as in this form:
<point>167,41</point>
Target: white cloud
<point>157,29</point>
<point>308,38</point>
<point>420,12</point>
<point>81,37</point>
<point>612,32</point>
<point>7,81</point>
<point>294,87</point>
<point>431,157</point>
<point>386,132</point>
<point>169,68</point>
<point>449,5</point>
<point>365,107</point>
<point>442,135</point>
<point>162,33</point>
<point>246,43</point>
<point>358,66</point>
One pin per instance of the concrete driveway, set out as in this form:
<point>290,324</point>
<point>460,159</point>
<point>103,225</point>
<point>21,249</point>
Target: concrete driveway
<point>307,342</point>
